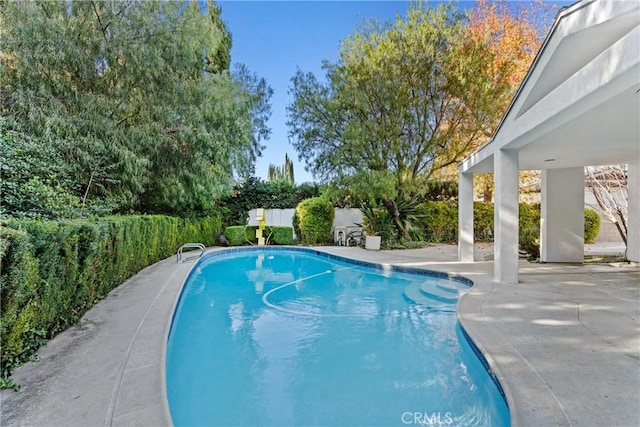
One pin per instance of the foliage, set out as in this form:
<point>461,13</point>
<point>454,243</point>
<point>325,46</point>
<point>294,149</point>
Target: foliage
<point>281,235</point>
<point>591,225</point>
<point>403,101</point>
<point>33,179</point>
<point>529,241</point>
<point>282,173</point>
<point>529,215</point>
<point>483,222</point>
<point>131,103</point>
<point>53,271</point>
<point>441,221</point>
<point>437,190</point>
<point>240,235</point>
<point>512,35</point>
<point>378,222</point>
<point>254,193</point>
<point>315,219</point>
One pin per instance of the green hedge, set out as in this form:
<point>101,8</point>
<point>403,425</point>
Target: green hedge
<point>591,225</point>
<point>53,271</point>
<point>281,235</point>
<point>440,223</point>
<point>315,220</point>
<point>239,235</point>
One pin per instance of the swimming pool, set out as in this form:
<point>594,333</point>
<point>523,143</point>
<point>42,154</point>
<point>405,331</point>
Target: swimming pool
<point>293,337</point>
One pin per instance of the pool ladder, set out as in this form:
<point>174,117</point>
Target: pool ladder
<point>190,245</point>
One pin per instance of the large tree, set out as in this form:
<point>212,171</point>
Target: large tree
<point>404,100</point>
<point>513,34</point>
<point>135,100</point>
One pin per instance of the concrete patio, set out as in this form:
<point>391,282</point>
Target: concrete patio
<point>564,342</point>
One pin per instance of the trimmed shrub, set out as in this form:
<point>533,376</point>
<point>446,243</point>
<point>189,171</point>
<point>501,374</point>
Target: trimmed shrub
<point>591,225</point>
<point>281,235</point>
<point>482,221</point>
<point>315,219</point>
<point>440,221</point>
<point>239,235</point>
<point>53,271</point>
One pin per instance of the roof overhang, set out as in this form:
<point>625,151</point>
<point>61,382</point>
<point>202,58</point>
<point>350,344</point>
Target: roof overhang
<point>579,104</point>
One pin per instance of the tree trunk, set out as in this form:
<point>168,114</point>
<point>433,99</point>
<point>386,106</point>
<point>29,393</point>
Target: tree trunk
<point>392,207</point>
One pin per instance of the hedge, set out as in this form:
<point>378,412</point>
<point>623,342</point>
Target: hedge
<point>314,218</point>
<point>281,235</point>
<point>440,223</point>
<point>53,271</point>
<point>591,225</point>
<point>239,235</point>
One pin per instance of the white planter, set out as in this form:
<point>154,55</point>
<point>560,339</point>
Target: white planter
<point>372,243</point>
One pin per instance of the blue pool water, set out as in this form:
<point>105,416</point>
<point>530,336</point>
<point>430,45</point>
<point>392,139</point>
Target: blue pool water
<point>284,338</point>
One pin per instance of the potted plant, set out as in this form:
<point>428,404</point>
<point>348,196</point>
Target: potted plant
<point>375,224</point>
<point>372,242</point>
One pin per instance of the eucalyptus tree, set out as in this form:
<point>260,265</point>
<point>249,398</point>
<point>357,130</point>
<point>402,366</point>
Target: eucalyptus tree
<point>404,100</point>
<point>136,98</point>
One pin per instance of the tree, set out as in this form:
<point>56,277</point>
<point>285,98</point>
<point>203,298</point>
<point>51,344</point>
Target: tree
<point>136,98</point>
<point>608,184</point>
<point>404,100</point>
<point>281,173</point>
<point>512,35</point>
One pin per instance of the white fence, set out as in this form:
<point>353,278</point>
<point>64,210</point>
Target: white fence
<point>284,217</point>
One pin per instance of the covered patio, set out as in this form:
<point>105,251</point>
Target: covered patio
<point>578,106</point>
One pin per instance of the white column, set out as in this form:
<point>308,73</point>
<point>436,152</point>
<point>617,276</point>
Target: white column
<point>562,215</point>
<point>506,216</point>
<point>633,217</point>
<point>465,217</point>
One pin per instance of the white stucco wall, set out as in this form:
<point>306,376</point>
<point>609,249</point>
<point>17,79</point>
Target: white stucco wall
<point>561,215</point>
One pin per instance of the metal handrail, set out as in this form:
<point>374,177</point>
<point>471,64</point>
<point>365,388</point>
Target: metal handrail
<point>190,245</point>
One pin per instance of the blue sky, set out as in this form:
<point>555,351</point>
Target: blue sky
<point>275,38</point>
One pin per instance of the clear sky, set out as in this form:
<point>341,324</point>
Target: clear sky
<point>275,38</point>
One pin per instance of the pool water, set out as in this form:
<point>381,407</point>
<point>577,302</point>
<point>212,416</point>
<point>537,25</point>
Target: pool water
<point>284,337</point>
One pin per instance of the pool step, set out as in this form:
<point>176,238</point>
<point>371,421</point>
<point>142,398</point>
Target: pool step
<point>431,290</point>
<point>452,286</point>
<point>414,294</point>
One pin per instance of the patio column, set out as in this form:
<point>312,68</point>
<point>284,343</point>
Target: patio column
<point>465,217</point>
<point>633,212</point>
<point>505,221</point>
<point>562,215</point>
